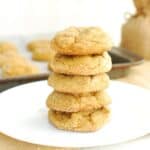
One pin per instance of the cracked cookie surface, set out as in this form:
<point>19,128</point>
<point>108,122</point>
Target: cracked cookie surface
<point>79,102</point>
<point>81,41</point>
<point>80,121</point>
<point>78,84</point>
<point>81,65</point>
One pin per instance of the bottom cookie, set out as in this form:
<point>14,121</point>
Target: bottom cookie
<point>86,121</point>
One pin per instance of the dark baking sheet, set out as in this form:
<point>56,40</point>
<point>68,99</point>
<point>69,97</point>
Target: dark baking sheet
<point>122,60</point>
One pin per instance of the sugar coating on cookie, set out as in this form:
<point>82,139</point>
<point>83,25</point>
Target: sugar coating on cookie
<point>79,121</point>
<point>78,84</point>
<point>81,41</point>
<point>80,102</point>
<point>81,65</point>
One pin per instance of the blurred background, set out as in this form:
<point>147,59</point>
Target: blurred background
<point>43,16</point>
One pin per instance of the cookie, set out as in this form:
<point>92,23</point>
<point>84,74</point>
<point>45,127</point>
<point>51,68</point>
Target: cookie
<point>43,54</point>
<point>9,57</point>
<point>1,60</point>
<point>19,68</point>
<point>79,102</point>
<point>81,65</point>
<point>78,84</point>
<point>7,46</point>
<point>38,44</point>
<point>87,121</point>
<point>81,41</point>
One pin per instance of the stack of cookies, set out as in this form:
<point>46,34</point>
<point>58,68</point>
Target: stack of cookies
<point>79,101</point>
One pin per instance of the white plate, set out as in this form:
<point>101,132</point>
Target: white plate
<point>23,116</point>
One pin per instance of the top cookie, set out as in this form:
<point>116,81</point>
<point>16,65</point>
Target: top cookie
<point>81,41</point>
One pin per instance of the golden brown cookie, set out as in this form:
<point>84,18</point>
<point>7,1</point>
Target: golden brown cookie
<point>1,60</point>
<point>78,84</point>
<point>38,44</point>
<point>19,68</point>
<point>81,41</point>
<point>79,102</point>
<point>80,121</point>
<point>81,65</point>
<point>7,46</point>
<point>41,50</point>
<point>9,57</point>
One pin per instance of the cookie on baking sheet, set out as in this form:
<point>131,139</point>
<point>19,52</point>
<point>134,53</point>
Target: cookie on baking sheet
<point>2,59</point>
<point>86,121</point>
<point>38,44</point>
<point>7,47</point>
<point>81,65</point>
<point>78,84</point>
<point>81,41</point>
<point>79,102</point>
<point>43,54</point>
<point>9,57</point>
<point>19,68</point>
